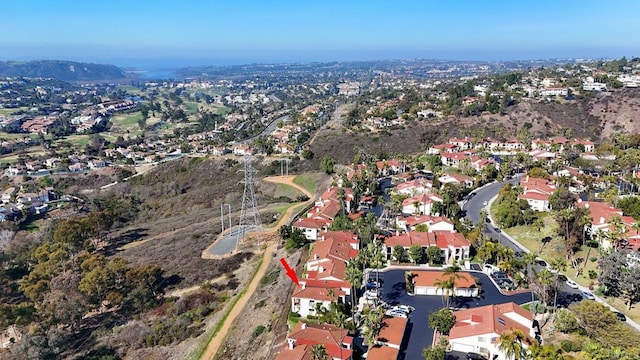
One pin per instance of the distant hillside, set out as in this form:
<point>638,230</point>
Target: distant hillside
<point>61,70</point>
<point>598,117</point>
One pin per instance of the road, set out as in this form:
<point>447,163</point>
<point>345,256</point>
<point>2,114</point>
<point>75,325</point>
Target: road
<point>418,334</point>
<point>485,195</point>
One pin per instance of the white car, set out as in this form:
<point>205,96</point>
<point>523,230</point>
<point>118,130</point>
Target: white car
<point>572,284</point>
<point>587,295</point>
<point>405,308</point>
<point>371,294</point>
<point>396,313</point>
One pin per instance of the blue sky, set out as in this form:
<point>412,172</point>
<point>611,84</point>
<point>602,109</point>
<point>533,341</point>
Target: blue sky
<point>200,32</point>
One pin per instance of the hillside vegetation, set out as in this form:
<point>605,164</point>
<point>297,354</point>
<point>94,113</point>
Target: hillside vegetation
<point>61,70</point>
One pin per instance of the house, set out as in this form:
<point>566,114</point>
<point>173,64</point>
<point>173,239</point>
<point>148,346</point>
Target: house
<point>414,187</point>
<point>536,192</point>
<point>388,167</point>
<point>478,330</point>
<point>462,144</point>
<point>433,223</point>
<point>312,295</point>
<point>242,149</point>
<point>10,336</point>
<point>336,341</point>
<point>389,341</point>
<point>312,227</point>
<point>96,164</point>
<point>453,246</point>
<point>554,91</point>
<point>420,204</point>
<point>76,167</point>
<point>333,245</point>
<point>458,179</point>
<point>601,215</point>
<point>453,159</point>
<point>426,283</point>
<point>8,194</point>
<point>52,162</point>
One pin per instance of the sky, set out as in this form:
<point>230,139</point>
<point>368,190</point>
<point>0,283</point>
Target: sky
<point>188,32</point>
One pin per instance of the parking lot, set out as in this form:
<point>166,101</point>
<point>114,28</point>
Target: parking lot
<point>418,334</point>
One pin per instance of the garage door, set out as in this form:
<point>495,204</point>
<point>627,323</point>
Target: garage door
<point>421,290</point>
<point>462,347</point>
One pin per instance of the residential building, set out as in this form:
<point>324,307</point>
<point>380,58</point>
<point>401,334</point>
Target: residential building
<point>433,223</point>
<point>453,246</point>
<point>336,341</point>
<point>536,192</point>
<point>426,282</point>
<point>478,330</point>
<point>420,204</point>
<point>388,343</point>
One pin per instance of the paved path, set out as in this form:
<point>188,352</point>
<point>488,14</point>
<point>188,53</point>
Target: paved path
<point>217,341</point>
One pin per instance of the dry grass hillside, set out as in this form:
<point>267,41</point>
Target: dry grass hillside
<point>596,116</point>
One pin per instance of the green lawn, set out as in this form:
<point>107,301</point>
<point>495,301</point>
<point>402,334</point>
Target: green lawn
<point>190,107</point>
<point>286,191</point>
<point>531,239</point>
<point>8,136</point>
<point>306,181</point>
<point>78,140</point>
<point>4,111</point>
<point>127,121</point>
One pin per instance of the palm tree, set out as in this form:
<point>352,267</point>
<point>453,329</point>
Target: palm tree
<point>373,323</point>
<point>557,265</point>
<point>341,322</point>
<point>353,275</point>
<point>377,257</point>
<point>511,344</point>
<point>447,287</point>
<point>528,260</point>
<point>618,229</point>
<point>539,224</point>
<point>319,352</point>
<point>545,278</point>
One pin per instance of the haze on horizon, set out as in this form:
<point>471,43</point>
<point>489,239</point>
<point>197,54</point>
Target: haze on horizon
<point>168,33</point>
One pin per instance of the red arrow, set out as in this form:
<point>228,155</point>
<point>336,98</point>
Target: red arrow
<point>290,272</point>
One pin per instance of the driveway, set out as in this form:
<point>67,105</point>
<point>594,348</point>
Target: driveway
<point>419,335</point>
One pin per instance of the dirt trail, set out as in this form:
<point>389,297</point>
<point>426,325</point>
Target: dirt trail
<point>217,341</point>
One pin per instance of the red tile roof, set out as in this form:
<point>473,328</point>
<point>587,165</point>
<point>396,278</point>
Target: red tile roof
<point>392,330</point>
<point>330,336</point>
<point>488,320</point>
<point>429,278</point>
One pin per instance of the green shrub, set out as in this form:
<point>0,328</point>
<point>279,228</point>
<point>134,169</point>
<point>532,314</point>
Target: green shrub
<point>259,304</point>
<point>593,274</point>
<point>258,331</point>
<point>569,346</point>
<point>593,259</point>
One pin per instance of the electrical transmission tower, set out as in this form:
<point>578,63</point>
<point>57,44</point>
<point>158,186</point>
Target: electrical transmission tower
<point>249,216</point>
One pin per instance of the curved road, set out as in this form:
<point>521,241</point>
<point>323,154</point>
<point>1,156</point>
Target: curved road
<point>485,195</point>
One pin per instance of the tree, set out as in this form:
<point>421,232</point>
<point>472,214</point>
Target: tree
<point>434,255</point>
<point>408,282</point>
<point>620,277</point>
<point>447,286</point>
<point>319,352</point>
<point>442,321</point>
<point>544,280</point>
<point>593,317</point>
<point>353,276</point>
<point>438,352</point>
<point>327,164</point>
<point>557,265</point>
<point>415,253</point>
<point>510,343</point>
<point>398,253</point>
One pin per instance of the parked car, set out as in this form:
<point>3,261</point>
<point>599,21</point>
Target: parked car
<point>562,277</point>
<point>405,308</point>
<point>542,263</point>
<point>371,285</point>
<point>587,295</point>
<point>620,316</point>
<point>475,356</point>
<point>396,313</point>
<point>371,294</point>
<point>572,284</point>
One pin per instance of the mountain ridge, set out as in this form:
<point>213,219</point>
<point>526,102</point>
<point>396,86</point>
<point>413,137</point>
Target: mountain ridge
<point>61,70</point>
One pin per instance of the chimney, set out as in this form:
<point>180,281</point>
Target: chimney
<point>303,284</point>
<point>292,342</point>
<point>602,220</point>
<point>321,269</point>
<point>527,179</point>
<point>397,233</point>
<point>304,325</point>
